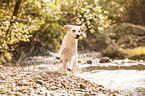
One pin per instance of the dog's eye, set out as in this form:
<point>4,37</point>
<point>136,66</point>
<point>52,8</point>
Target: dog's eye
<point>74,30</point>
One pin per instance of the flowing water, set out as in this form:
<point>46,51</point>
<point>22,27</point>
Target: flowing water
<point>126,81</point>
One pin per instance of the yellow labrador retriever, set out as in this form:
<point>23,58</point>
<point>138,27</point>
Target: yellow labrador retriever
<point>68,49</point>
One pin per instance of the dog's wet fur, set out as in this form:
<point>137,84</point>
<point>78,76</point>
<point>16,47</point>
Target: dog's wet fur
<point>68,49</point>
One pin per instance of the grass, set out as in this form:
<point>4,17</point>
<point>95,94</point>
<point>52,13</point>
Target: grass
<point>137,53</point>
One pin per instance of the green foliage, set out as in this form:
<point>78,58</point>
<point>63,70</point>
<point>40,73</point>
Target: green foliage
<point>91,16</point>
<point>43,20</point>
<point>114,9</point>
<point>121,36</point>
<point>18,30</point>
<point>119,11</point>
<point>50,36</point>
<point>137,53</point>
<point>86,13</point>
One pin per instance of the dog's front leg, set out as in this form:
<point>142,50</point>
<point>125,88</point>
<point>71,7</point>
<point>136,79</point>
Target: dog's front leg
<point>74,64</point>
<point>64,61</point>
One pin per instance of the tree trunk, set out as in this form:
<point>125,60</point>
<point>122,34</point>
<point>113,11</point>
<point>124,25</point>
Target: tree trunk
<point>143,11</point>
<point>15,13</point>
<point>8,32</point>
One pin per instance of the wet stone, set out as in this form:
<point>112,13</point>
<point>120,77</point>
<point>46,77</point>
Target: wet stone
<point>68,87</point>
<point>89,61</point>
<point>50,81</point>
<point>105,60</point>
<point>40,82</point>
<point>101,86</point>
<point>93,94</point>
<point>86,94</point>
<point>116,91</point>
<point>63,84</point>
<point>82,86</point>
<point>19,84</point>
<point>54,88</point>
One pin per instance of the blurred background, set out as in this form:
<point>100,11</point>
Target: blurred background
<point>116,28</point>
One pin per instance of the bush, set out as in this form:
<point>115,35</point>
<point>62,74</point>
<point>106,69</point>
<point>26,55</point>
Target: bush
<point>86,13</point>
<point>137,53</point>
<point>120,36</point>
<point>127,34</point>
<point>114,53</point>
<point>29,21</point>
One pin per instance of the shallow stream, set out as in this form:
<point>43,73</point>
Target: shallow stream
<point>130,80</point>
<point>126,81</point>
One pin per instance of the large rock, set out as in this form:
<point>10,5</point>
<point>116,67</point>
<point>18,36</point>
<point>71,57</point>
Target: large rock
<point>105,60</point>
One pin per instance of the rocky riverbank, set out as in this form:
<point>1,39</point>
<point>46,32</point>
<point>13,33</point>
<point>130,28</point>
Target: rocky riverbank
<point>20,81</point>
<point>42,75</point>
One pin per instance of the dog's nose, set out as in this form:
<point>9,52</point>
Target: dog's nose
<point>77,36</point>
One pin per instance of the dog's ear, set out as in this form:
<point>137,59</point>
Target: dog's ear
<point>66,28</point>
<point>84,28</point>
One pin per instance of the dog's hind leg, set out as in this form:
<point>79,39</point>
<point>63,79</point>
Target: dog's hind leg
<point>74,67</point>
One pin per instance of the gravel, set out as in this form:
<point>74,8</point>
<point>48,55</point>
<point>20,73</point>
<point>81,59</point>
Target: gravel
<point>20,81</point>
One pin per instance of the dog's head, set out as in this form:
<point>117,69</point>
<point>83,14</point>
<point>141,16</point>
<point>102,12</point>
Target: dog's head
<point>75,31</point>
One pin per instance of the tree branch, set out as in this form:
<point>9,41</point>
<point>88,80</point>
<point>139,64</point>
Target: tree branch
<point>15,13</point>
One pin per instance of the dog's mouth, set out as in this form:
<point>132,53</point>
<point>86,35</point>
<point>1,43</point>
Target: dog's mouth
<point>77,37</point>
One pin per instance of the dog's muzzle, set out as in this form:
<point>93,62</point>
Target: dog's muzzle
<point>77,36</point>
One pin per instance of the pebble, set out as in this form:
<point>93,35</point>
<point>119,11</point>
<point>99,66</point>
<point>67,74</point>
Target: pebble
<point>89,61</point>
<point>41,83</point>
<point>82,86</point>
